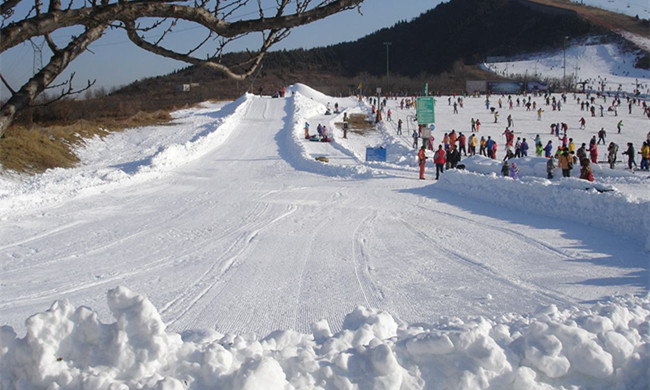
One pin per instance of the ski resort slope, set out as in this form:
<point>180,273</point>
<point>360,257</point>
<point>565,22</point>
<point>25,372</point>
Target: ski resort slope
<point>227,225</point>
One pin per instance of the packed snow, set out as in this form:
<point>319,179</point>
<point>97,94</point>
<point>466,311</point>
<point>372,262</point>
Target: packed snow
<point>219,252</point>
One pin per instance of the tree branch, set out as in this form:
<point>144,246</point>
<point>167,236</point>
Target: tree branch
<point>16,33</point>
<point>41,80</point>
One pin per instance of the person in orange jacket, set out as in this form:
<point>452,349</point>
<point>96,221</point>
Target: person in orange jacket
<point>422,160</point>
<point>440,160</point>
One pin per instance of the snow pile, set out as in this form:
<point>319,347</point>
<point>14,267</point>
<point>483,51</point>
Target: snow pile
<point>570,198</point>
<point>603,347</point>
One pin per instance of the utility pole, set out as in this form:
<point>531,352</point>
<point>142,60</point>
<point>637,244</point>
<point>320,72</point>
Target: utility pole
<point>387,44</point>
<point>564,79</point>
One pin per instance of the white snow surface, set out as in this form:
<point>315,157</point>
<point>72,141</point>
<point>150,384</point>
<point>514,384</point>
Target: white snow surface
<point>233,259</point>
<point>600,66</point>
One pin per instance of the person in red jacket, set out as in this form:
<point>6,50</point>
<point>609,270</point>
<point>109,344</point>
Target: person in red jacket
<point>439,160</point>
<point>422,160</point>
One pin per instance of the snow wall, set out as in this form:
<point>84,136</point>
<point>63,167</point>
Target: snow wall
<point>571,198</point>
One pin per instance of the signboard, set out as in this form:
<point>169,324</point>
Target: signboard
<point>505,87</point>
<point>375,154</point>
<point>426,110</point>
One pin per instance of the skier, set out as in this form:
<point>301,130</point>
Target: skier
<point>619,125</point>
<point>399,126</point>
<point>415,136</point>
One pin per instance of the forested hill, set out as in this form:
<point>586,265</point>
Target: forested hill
<point>467,30</point>
<point>434,47</point>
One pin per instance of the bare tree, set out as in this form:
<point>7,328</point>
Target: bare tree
<point>90,19</point>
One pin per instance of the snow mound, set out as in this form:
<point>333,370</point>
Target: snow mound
<point>602,347</point>
<point>309,93</point>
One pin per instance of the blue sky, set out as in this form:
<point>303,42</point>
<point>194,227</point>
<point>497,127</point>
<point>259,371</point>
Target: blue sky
<point>114,61</point>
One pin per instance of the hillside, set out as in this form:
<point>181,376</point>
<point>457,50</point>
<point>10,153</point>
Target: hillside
<point>441,47</point>
<point>448,38</point>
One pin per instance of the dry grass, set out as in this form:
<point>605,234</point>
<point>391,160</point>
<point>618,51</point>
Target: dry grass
<point>358,123</point>
<point>35,149</point>
<point>603,17</point>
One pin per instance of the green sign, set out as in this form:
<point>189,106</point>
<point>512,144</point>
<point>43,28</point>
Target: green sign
<point>426,110</point>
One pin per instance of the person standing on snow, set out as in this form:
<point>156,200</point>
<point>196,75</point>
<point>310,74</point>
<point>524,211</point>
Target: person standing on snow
<point>601,135</point>
<point>645,156</point>
<point>550,165</point>
<point>489,146</point>
<point>593,153</point>
<point>422,160</point>
<point>415,139</point>
<point>612,150</point>
<point>523,148</point>
<point>461,144</point>
<point>619,125</point>
<point>472,145</point>
<point>566,163</point>
<point>505,168</point>
<point>548,149</point>
<point>630,155</point>
<point>439,160</point>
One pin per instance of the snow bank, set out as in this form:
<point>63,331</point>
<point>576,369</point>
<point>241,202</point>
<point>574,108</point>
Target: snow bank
<point>571,197</point>
<point>606,346</point>
<point>304,108</point>
<point>150,161</point>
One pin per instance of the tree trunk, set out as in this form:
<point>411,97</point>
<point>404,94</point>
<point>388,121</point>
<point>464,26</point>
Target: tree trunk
<point>41,80</point>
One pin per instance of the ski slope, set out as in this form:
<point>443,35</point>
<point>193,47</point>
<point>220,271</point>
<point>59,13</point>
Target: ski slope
<point>227,226</point>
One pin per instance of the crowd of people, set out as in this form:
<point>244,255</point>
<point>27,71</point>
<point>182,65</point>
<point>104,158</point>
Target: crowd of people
<point>565,155</point>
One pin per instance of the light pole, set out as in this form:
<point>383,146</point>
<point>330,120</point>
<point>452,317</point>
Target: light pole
<point>564,78</point>
<point>387,44</point>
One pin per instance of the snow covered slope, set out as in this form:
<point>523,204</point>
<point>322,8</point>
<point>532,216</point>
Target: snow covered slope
<point>261,267</point>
